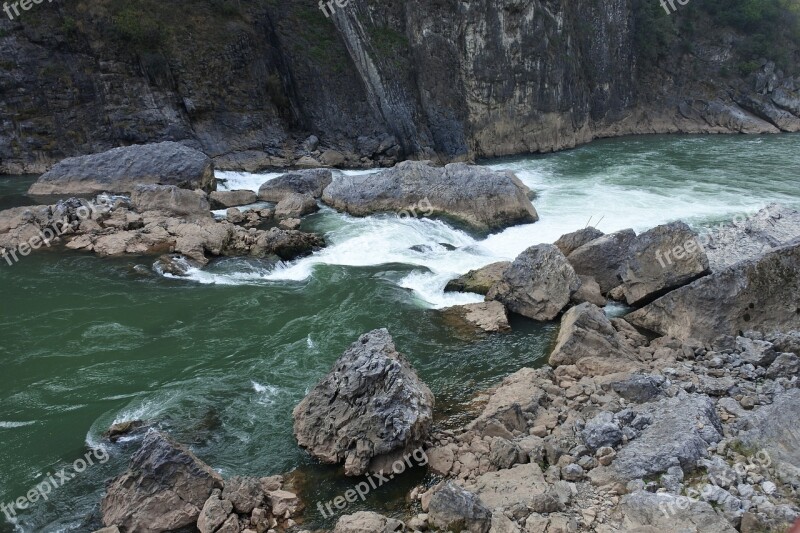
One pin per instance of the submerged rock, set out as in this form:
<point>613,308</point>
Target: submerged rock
<point>479,281</point>
<point>758,294</point>
<point>371,404</point>
<point>538,284</point>
<point>477,196</point>
<point>311,182</point>
<point>164,489</point>
<point>120,170</point>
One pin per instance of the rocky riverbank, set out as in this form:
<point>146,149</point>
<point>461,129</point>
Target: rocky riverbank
<point>687,425</point>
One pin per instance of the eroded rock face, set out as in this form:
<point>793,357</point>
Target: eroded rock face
<point>758,294</point>
<point>164,489</point>
<point>661,259</point>
<point>171,200</point>
<point>120,170</point>
<point>538,284</point>
<point>479,281</point>
<point>477,196</point>
<point>602,258</point>
<point>371,404</point>
<point>586,331</point>
<point>311,182</point>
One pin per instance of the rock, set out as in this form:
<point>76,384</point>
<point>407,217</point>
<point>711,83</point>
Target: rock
<point>226,199</point>
<point>572,241</point>
<point>311,182</point>
<point>601,431</point>
<point>290,223</point>
<point>758,294</point>
<point>645,511</point>
<point>586,331</point>
<point>572,472</point>
<point>175,265</point>
<point>164,489</point>
<point>538,284</point>
<point>773,429</point>
<point>234,216</point>
<point>169,199</point>
<point>454,509</point>
<point>367,522</point>
<point>371,404</point>
<point>785,365</point>
<point>440,460</point>
<point>661,259</point>
<point>483,199</point>
<point>332,158</point>
<point>638,388</point>
<point>756,352</point>
<point>121,429</point>
<point>244,493</point>
<point>750,237</point>
<point>590,292</point>
<point>682,429</point>
<point>489,317</point>
<point>296,206</point>
<point>283,502</point>
<point>121,170</point>
<point>519,394</point>
<point>505,489</point>
<point>215,512</point>
<point>479,281</point>
<point>603,257</point>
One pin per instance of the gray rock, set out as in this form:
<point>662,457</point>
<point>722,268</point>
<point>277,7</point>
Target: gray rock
<point>590,292</point>
<point>453,508</point>
<point>245,493</point>
<point>295,206</point>
<point>773,429</point>
<point>489,317</point>
<point>479,281</point>
<point>215,512</point>
<point>226,199</point>
<point>757,294</point>
<point>601,431</point>
<point>785,365</point>
<point>164,489</point>
<point>311,181</point>
<point>603,257</point>
<point>661,259</point>
<point>371,404</point>
<point>682,429</point>
<point>171,200</point>
<point>756,352</point>
<point>538,284</point>
<point>572,472</point>
<point>638,388</point>
<point>572,241</point>
<point>586,331</point>
<point>645,511</point>
<point>477,196</point>
<point>367,522</point>
<point>120,170</point>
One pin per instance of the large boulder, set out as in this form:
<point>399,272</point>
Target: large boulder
<point>164,489</point>
<point>681,430</point>
<point>773,429</point>
<point>479,281</point>
<point>760,294</point>
<point>602,258</point>
<point>311,182</point>
<point>296,205</point>
<point>750,237</point>
<point>572,241</point>
<point>171,200</point>
<point>586,331</point>
<point>120,170</point>
<point>371,404</point>
<point>479,197</point>
<point>538,284</point>
<point>661,259</point>
<point>453,508</point>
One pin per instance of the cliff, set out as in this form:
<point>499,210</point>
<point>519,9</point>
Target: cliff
<point>274,83</point>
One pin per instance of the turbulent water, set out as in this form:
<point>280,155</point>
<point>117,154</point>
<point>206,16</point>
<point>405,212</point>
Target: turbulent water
<point>220,359</point>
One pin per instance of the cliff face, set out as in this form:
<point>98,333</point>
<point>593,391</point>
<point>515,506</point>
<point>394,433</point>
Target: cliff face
<point>276,83</point>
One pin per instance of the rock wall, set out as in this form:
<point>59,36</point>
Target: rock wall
<point>273,83</point>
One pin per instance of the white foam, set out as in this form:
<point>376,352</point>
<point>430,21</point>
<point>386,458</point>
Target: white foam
<point>14,425</point>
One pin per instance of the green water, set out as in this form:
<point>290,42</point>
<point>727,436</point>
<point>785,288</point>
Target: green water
<point>220,360</point>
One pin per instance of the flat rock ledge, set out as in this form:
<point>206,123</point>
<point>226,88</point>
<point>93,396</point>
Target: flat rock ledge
<point>370,405</point>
